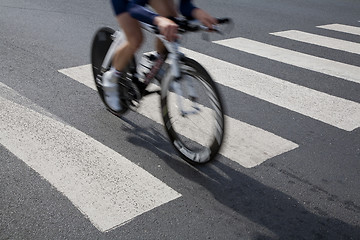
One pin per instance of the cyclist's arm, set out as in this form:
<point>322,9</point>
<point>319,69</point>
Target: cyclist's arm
<point>190,11</point>
<point>137,10</point>
<point>204,17</point>
<point>187,8</point>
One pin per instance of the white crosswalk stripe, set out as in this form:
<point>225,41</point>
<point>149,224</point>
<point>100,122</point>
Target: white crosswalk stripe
<point>244,144</point>
<point>332,110</point>
<point>342,28</point>
<point>105,186</point>
<point>329,67</point>
<point>328,42</point>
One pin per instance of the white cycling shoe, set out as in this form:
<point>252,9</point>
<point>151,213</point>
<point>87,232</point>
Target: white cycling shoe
<point>111,90</point>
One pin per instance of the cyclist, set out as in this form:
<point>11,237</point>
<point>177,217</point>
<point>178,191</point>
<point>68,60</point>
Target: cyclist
<point>127,13</point>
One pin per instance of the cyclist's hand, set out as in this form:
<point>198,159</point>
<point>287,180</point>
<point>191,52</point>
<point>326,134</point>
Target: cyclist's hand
<point>167,28</point>
<point>204,18</point>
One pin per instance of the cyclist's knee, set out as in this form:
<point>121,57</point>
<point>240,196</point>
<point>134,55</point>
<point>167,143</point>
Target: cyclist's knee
<point>135,42</point>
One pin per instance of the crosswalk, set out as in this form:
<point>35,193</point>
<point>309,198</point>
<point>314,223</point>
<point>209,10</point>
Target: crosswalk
<point>302,60</point>
<point>342,28</point>
<point>110,190</point>
<point>328,42</point>
<point>332,110</point>
<point>250,148</point>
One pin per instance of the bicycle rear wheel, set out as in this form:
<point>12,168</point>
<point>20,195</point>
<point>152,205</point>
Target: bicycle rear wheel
<point>100,46</point>
<point>193,113</point>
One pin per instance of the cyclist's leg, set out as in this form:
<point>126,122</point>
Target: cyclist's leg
<point>133,33</point>
<point>122,56</point>
<point>125,52</point>
<point>164,8</point>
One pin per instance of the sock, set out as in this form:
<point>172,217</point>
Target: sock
<point>116,72</point>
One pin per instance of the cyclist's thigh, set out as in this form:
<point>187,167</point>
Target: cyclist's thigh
<point>164,8</point>
<point>131,28</point>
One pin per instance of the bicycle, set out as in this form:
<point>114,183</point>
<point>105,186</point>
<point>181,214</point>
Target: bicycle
<point>187,91</point>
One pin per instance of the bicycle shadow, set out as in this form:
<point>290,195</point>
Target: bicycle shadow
<point>147,137</point>
<point>271,208</point>
<point>266,206</point>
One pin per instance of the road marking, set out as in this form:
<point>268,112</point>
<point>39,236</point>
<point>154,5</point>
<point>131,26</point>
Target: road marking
<point>342,28</point>
<point>245,144</point>
<point>105,186</point>
<point>320,40</point>
<point>329,109</point>
<point>329,67</point>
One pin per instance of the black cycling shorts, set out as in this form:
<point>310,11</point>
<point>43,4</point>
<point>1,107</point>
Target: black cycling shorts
<point>119,6</point>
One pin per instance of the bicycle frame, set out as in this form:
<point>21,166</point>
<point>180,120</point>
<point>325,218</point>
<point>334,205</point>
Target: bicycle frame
<point>173,48</point>
<point>174,56</point>
<point>191,106</point>
<point>118,37</point>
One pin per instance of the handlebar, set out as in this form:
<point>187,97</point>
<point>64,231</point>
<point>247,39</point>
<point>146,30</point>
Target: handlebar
<point>223,20</point>
<point>188,25</point>
<point>194,25</point>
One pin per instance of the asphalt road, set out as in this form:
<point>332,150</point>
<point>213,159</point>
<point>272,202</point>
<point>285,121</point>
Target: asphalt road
<point>309,192</point>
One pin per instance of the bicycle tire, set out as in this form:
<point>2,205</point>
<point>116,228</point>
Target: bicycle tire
<point>185,140</point>
<point>101,43</point>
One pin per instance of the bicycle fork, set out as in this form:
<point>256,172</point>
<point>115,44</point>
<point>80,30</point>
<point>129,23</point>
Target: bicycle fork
<point>181,97</point>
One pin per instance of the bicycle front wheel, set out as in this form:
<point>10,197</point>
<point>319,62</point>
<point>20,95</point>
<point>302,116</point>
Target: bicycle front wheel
<point>193,113</point>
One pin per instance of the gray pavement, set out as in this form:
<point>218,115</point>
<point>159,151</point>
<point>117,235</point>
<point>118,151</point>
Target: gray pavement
<point>310,192</point>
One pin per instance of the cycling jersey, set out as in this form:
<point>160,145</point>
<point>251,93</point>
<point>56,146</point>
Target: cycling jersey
<point>138,11</point>
<point>119,6</point>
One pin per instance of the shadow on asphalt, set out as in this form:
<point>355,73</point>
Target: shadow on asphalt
<point>266,206</point>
